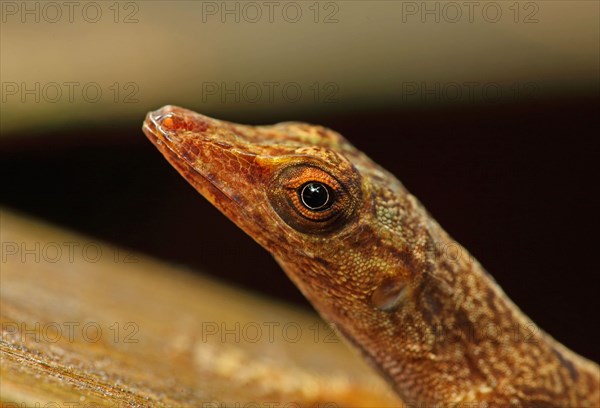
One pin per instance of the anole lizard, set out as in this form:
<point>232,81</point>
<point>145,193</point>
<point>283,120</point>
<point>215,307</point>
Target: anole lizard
<point>372,261</point>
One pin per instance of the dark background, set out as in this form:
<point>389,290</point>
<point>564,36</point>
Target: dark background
<point>516,184</point>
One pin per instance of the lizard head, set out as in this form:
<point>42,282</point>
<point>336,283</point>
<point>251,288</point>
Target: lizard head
<point>289,179</point>
<point>301,191</point>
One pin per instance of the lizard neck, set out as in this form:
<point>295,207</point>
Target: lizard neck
<point>454,336</point>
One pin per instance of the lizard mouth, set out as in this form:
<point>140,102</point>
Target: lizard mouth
<point>156,128</point>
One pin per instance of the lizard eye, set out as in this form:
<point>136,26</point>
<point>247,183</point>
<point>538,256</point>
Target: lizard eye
<point>310,199</point>
<point>315,196</point>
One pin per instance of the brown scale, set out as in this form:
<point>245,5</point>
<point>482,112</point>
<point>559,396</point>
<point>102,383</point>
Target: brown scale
<point>375,264</point>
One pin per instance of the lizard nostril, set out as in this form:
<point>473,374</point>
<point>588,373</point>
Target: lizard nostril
<point>173,119</point>
<point>167,122</point>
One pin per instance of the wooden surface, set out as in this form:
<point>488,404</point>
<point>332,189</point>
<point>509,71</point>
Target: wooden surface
<point>85,323</point>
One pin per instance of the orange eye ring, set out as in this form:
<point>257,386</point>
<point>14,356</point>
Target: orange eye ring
<point>310,199</point>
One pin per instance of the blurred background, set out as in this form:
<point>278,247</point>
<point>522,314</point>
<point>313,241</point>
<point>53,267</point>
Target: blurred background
<point>486,111</point>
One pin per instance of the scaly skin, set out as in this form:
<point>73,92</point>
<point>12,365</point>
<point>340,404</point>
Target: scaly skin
<point>375,264</point>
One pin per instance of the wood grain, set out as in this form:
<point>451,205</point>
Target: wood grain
<point>97,326</point>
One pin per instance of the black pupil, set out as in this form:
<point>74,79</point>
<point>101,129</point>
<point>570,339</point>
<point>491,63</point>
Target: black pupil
<point>315,196</point>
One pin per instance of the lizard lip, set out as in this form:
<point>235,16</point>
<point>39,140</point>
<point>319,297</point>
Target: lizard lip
<point>161,128</point>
